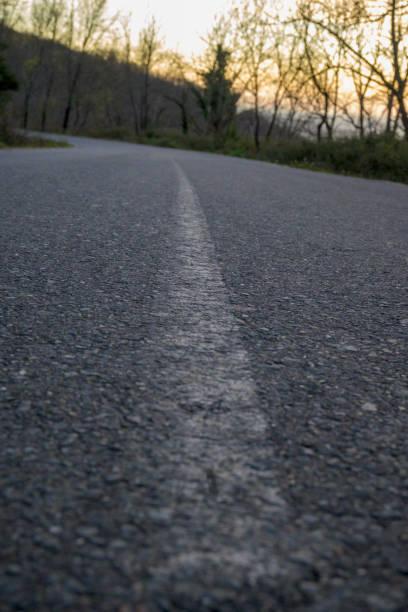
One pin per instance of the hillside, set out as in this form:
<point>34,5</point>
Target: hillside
<point>109,95</point>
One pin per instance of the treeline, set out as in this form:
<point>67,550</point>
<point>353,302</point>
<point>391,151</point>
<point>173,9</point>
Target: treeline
<point>320,70</point>
<point>77,70</point>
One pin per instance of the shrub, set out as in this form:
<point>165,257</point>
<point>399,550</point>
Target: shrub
<point>382,157</point>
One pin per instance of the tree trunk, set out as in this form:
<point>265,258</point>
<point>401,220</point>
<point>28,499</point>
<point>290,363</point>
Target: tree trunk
<point>26,106</point>
<point>319,130</point>
<point>403,113</point>
<point>132,99</point>
<point>45,105</point>
<point>67,114</point>
<point>71,92</point>
<point>389,112</point>
<point>272,123</point>
<point>144,105</point>
<point>184,119</point>
<point>329,128</point>
<point>256,131</point>
<point>25,113</point>
<point>257,123</point>
<point>361,127</point>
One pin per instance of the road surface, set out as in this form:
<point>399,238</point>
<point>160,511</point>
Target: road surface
<point>203,379</point>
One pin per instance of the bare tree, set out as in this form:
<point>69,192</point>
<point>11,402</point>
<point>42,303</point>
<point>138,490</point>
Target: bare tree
<point>321,67</point>
<point>50,13</point>
<point>45,24</point>
<point>254,38</point>
<point>286,84</point>
<point>11,14</point>
<point>147,55</point>
<point>129,68</point>
<point>86,25</point>
<point>177,74</point>
<point>385,22</point>
<point>359,110</point>
<point>140,64</point>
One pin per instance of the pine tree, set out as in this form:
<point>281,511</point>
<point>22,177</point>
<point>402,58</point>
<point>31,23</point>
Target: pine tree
<point>215,98</point>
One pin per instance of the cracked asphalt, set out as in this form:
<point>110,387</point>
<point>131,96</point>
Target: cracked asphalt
<point>203,384</point>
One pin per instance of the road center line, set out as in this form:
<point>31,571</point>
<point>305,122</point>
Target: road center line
<point>219,489</point>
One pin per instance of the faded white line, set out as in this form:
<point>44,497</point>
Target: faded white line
<point>218,493</point>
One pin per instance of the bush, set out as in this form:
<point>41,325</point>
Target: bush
<point>10,138</point>
<point>382,157</point>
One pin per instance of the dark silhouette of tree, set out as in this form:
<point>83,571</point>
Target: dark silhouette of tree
<point>7,81</point>
<point>86,25</point>
<point>216,99</point>
<point>255,35</point>
<point>147,54</point>
<point>387,22</point>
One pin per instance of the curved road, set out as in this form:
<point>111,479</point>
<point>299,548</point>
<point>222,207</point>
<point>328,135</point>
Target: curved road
<point>203,383</point>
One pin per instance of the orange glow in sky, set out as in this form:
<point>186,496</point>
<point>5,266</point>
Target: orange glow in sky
<point>182,22</point>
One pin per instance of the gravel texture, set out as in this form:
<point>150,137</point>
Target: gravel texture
<point>136,474</point>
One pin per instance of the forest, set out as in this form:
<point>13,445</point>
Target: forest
<point>270,82</point>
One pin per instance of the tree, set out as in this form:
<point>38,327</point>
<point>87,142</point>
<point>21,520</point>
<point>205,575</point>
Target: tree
<point>47,18</point>
<point>130,70</point>
<point>176,73</point>
<point>216,99</point>
<point>254,36</point>
<point>385,26</point>
<point>286,86</point>
<point>7,80</point>
<point>11,12</point>
<point>8,83</point>
<point>360,111</point>
<point>85,26</point>
<point>33,63</point>
<point>140,63</point>
<point>147,55</point>
<point>321,65</point>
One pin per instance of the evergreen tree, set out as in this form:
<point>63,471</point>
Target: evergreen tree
<point>215,98</point>
<point>7,80</point>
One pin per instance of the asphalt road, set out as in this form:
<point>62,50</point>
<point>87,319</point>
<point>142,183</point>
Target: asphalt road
<point>203,379</point>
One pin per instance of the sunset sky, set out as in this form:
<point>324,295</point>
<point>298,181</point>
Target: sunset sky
<point>182,21</point>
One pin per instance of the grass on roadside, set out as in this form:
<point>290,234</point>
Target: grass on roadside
<point>9,139</point>
<point>379,157</point>
<point>177,140</point>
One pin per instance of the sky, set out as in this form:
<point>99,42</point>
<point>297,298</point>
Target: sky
<point>182,21</point>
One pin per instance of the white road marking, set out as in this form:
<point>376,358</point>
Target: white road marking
<point>218,488</point>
